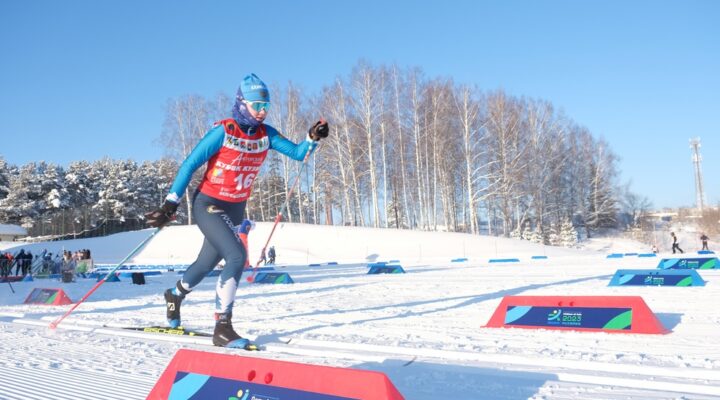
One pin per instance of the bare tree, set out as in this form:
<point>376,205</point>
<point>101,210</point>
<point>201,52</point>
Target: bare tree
<point>470,126</point>
<point>401,149</point>
<point>509,153</point>
<point>365,100</point>
<point>602,201</point>
<point>343,153</point>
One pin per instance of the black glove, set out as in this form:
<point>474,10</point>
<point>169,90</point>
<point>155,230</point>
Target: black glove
<point>160,217</point>
<point>319,131</point>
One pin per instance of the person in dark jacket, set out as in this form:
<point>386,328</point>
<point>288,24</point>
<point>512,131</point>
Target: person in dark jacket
<point>675,244</point>
<point>271,255</point>
<point>704,240</point>
<point>20,262</point>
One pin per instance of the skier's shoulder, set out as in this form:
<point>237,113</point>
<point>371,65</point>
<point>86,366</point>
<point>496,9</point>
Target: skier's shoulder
<point>271,132</point>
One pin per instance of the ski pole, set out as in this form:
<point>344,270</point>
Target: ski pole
<point>55,323</point>
<point>7,277</point>
<point>286,205</point>
<point>8,281</point>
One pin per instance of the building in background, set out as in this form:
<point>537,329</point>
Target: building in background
<point>9,233</point>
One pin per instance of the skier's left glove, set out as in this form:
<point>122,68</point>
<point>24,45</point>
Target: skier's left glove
<point>319,131</point>
<point>160,217</point>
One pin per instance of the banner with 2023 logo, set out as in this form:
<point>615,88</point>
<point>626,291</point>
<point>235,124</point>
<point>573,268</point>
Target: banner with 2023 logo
<point>570,317</point>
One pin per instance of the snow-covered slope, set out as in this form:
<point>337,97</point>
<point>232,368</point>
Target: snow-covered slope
<point>338,315</point>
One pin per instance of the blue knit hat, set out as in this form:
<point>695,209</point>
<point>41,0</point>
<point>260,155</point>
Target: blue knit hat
<point>253,89</point>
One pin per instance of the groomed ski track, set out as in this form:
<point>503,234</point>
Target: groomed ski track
<point>423,329</point>
<point>104,381</point>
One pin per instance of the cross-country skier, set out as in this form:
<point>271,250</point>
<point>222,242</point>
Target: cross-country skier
<point>234,151</point>
<point>675,244</point>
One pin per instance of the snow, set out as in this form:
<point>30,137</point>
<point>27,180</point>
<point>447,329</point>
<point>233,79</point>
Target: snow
<point>424,329</point>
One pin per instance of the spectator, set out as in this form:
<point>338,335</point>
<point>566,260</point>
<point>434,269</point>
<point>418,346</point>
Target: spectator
<point>4,265</point>
<point>675,244</point>
<point>68,267</point>
<point>69,261</point>
<point>57,264</point>
<point>11,261</point>
<point>27,268</point>
<point>271,255</point>
<point>704,240</point>
<point>47,263</point>
<point>263,258</point>
<point>20,262</point>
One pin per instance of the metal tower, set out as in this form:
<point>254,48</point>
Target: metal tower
<point>697,159</point>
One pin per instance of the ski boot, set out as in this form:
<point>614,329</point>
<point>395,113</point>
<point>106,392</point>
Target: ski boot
<point>224,334</point>
<point>173,299</point>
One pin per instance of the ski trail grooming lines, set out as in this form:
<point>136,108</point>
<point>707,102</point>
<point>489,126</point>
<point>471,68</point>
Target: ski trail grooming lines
<point>285,206</point>
<point>55,323</point>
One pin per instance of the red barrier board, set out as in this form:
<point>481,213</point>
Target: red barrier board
<point>50,297</point>
<point>198,375</point>
<point>614,314</point>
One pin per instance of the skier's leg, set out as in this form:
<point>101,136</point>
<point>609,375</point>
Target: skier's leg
<point>205,261</point>
<point>231,248</point>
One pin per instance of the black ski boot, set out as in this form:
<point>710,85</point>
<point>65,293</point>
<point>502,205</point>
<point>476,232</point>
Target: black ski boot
<point>225,335</point>
<point>173,301</point>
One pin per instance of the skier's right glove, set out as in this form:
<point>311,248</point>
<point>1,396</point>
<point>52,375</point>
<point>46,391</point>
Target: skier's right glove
<point>160,217</point>
<point>319,131</point>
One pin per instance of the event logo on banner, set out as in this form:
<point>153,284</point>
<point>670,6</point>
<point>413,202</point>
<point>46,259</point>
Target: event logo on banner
<point>570,317</point>
<point>193,386</point>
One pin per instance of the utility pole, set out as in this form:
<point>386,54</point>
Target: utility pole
<point>697,159</point>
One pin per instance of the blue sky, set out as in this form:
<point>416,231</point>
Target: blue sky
<point>88,79</point>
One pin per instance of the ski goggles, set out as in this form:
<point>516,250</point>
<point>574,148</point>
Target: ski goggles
<point>259,105</point>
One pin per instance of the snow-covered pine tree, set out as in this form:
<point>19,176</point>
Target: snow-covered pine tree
<point>527,233</point>
<point>568,234</point>
<point>553,238</point>
<point>536,236</point>
<point>4,178</point>
<point>516,233</point>
<point>25,199</point>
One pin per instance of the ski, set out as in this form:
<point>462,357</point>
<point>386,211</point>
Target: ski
<point>181,331</point>
<point>162,333</point>
<point>168,330</point>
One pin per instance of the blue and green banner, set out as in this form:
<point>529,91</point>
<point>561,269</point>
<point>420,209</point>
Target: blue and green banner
<point>689,263</point>
<point>654,277</point>
<point>609,318</point>
<point>385,269</point>
<point>273,277</point>
<point>193,386</point>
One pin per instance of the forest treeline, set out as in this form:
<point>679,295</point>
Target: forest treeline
<point>405,151</point>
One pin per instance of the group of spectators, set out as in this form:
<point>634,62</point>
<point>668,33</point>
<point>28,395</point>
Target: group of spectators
<point>72,262</point>
<point>270,258</point>
<point>22,262</point>
<point>46,262</point>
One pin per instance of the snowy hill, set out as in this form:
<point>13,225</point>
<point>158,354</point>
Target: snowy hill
<point>423,328</point>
